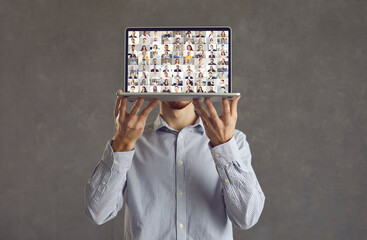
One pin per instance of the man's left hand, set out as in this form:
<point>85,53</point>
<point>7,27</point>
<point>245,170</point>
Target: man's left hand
<point>219,129</point>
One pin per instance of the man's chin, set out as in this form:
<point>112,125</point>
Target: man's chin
<point>176,104</point>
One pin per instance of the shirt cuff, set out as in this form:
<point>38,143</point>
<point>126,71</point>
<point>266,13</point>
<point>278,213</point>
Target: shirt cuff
<point>117,160</point>
<point>225,153</point>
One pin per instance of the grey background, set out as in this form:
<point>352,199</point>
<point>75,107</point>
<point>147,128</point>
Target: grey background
<point>300,66</point>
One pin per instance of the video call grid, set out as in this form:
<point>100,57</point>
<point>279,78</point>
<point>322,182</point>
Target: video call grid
<point>178,61</point>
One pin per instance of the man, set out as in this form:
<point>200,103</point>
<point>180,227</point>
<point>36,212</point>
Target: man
<point>200,34</point>
<point>189,90</point>
<point>144,69</point>
<point>133,35</point>
<point>133,52</point>
<point>212,62</point>
<point>212,55</point>
<point>166,89</point>
<point>222,69</point>
<point>167,35</point>
<point>188,55</point>
<point>211,76</point>
<point>166,69</point>
<point>211,35</point>
<point>166,62</point>
<point>166,48</point>
<point>177,76</point>
<point>189,76</point>
<point>187,61</point>
<point>212,49</point>
<point>145,35</point>
<point>154,69</point>
<point>222,76</point>
<point>187,175</point>
<point>211,82</point>
<point>133,76</point>
<point>177,83</point>
<point>155,62</point>
<point>178,41</point>
<point>132,89</point>
<point>144,41</point>
<point>177,68</point>
<point>165,73</point>
<point>132,61</point>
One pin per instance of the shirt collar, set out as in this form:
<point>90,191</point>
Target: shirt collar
<point>159,123</point>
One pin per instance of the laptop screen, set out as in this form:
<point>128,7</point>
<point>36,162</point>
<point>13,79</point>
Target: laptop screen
<point>178,60</point>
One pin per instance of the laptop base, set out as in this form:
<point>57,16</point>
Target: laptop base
<point>215,97</point>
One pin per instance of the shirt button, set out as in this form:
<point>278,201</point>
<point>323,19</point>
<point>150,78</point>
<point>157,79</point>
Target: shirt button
<point>216,155</point>
<point>103,183</point>
<point>181,136</point>
<point>111,158</point>
<point>180,194</point>
<point>180,226</point>
<point>225,180</point>
<point>180,162</point>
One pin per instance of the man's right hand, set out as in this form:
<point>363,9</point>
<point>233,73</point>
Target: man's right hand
<point>129,126</point>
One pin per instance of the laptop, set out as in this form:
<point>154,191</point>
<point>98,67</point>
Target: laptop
<point>178,63</point>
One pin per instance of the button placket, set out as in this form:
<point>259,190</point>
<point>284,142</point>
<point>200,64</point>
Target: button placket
<point>180,187</point>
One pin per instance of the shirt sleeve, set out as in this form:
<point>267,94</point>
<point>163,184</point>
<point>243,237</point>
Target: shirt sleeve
<point>104,189</point>
<point>243,196</point>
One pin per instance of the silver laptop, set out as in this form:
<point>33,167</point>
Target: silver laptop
<point>178,63</point>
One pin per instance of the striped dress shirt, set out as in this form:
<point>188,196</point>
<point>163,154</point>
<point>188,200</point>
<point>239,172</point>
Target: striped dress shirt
<point>177,185</point>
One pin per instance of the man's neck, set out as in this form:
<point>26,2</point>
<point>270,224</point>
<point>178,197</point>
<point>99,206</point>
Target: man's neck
<point>178,118</point>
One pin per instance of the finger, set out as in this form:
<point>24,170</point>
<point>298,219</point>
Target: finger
<point>211,108</point>
<point>206,122</point>
<point>226,111</point>
<point>137,105</point>
<point>200,109</point>
<point>117,104</point>
<point>234,105</point>
<point>145,113</point>
<point>122,107</point>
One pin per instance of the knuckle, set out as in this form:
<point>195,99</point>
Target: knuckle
<point>130,125</point>
<point>140,125</point>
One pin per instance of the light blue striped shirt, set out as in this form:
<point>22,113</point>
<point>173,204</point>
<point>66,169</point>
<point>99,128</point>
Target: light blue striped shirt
<point>177,185</point>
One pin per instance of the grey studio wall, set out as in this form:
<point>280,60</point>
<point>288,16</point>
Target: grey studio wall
<point>300,66</point>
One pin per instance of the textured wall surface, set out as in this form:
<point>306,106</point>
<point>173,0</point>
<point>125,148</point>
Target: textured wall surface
<point>301,67</point>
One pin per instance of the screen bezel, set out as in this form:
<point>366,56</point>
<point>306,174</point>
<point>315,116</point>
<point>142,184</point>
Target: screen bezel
<point>182,28</point>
